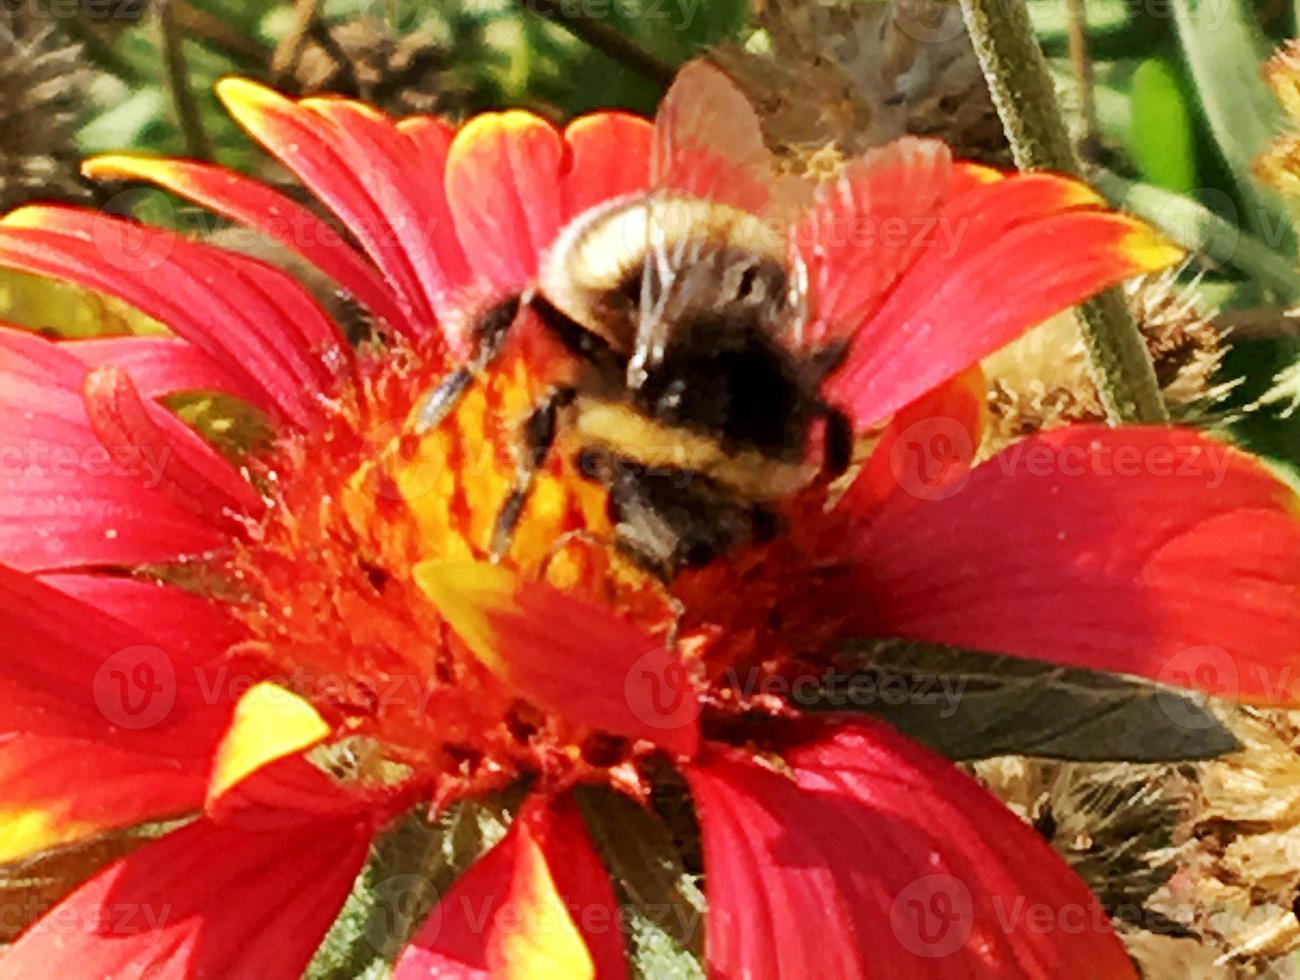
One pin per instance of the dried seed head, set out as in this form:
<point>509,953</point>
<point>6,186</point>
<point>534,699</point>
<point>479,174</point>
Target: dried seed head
<point>1238,859</point>
<point>41,76</point>
<point>1279,165</point>
<point>402,74</point>
<point>862,74</point>
<point>1111,821</point>
<point>1042,380</point>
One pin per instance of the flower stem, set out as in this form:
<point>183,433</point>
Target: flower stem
<point>177,77</point>
<point>1022,90</point>
<point>593,31</point>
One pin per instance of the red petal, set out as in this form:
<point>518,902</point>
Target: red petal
<point>369,174</point>
<point>199,629</point>
<point>105,723</point>
<point>159,366</point>
<point>538,904</point>
<point>927,448</point>
<point>866,228</point>
<point>1144,550</point>
<point>55,791</point>
<point>504,186</point>
<point>1000,259</point>
<point>69,669</point>
<point>246,316</point>
<point>906,865</point>
<point>65,499</point>
<point>567,654</point>
<point>252,203</point>
<point>293,790</point>
<point>192,474</point>
<point>609,157</point>
<point>205,901</point>
<point>309,340</point>
<point>406,188</point>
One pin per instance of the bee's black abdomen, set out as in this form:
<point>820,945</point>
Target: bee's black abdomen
<point>731,383</point>
<point>669,519</point>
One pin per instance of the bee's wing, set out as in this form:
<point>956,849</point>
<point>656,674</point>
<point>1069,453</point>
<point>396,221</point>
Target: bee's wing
<point>708,141</point>
<point>708,147</point>
<point>863,231</point>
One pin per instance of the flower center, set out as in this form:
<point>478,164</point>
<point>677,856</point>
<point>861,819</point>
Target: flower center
<point>333,605</point>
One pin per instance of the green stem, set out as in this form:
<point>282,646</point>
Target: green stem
<point>177,77</point>
<point>1021,86</point>
<point>605,39</point>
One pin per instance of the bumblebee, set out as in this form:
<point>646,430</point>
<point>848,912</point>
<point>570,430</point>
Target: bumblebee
<point>692,406</point>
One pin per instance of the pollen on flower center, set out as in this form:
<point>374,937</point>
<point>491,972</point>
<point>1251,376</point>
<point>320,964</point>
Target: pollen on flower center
<point>329,577</point>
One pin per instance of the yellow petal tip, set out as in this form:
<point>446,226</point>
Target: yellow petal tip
<point>465,594</point>
<point>1148,250</point>
<point>1077,194</point>
<point>25,832</point>
<point>114,166</point>
<point>269,724</point>
<point>980,173</point>
<point>27,216</point>
<point>243,95</point>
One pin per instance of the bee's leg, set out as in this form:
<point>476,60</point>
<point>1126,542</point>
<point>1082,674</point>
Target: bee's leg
<point>539,435</point>
<point>490,331</point>
<point>837,446</point>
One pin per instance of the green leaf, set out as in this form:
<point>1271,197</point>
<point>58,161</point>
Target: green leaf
<point>410,867</point>
<point>1201,231</point>
<point>1266,398</point>
<point>125,124</point>
<point>662,904</point>
<point>1224,49</point>
<point>1161,133</point>
<point>971,705</point>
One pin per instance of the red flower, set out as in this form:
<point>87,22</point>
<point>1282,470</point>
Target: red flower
<point>349,556</point>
